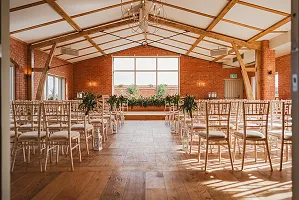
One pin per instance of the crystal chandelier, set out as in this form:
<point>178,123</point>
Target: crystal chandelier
<point>144,14</point>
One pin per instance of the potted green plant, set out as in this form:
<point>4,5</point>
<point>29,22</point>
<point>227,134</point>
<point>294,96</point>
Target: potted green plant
<point>176,100</point>
<point>89,102</point>
<point>189,105</point>
<point>112,101</point>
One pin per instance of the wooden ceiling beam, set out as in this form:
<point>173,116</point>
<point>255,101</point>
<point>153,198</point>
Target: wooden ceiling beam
<point>199,31</point>
<point>71,22</point>
<point>220,16</point>
<point>270,29</point>
<point>263,8</point>
<point>73,16</point>
<point>27,6</point>
<point>89,31</point>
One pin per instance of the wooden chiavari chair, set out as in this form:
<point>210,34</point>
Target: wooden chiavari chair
<point>217,128</point>
<point>66,137</point>
<point>26,114</point>
<point>81,123</point>
<point>284,134</point>
<point>255,127</point>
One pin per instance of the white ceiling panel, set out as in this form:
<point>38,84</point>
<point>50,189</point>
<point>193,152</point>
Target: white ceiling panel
<point>180,31</point>
<point>173,49</point>
<point>71,41</point>
<point>98,18</point>
<point>44,32</point>
<point>253,17</point>
<point>85,57</point>
<point>184,38</point>
<point>188,18</point>
<point>17,3</point>
<point>121,48</point>
<point>234,30</point>
<point>212,7</point>
<point>203,51</point>
<point>283,50</point>
<point>208,45</point>
<point>65,57</point>
<point>121,42</point>
<point>81,45</point>
<point>117,35</point>
<point>269,36</point>
<point>286,27</point>
<point>32,16</point>
<point>200,56</point>
<point>281,5</point>
<point>218,41</point>
<point>87,51</point>
<point>176,44</point>
<point>74,7</point>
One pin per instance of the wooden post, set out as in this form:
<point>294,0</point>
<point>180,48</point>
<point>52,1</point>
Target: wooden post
<point>295,97</point>
<point>257,73</point>
<point>42,81</point>
<point>248,88</point>
<point>30,64</point>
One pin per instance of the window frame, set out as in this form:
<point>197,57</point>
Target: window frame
<point>12,73</point>
<point>154,70</point>
<point>61,85</point>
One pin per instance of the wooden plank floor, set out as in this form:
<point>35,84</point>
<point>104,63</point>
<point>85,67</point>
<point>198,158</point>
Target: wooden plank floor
<point>145,161</point>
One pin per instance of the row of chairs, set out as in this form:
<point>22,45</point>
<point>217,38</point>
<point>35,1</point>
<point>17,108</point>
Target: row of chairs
<point>51,126</point>
<point>232,122</point>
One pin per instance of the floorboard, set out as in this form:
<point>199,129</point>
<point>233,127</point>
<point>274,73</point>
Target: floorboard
<point>144,160</point>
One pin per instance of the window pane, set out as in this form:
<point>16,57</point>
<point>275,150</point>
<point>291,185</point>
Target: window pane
<point>276,85</point>
<point>168,78</point>
<point>57,90</point>
<point>146,78</point>
<point>168,63</point>
<point>145,63</point>
<point>123,63</point>
<point>50,87</point>
<point>123,78</point>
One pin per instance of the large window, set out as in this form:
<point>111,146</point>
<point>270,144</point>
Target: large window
<point>54,88</point>
<point>146,76</point>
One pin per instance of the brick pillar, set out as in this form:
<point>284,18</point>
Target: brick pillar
<point>266,72</point>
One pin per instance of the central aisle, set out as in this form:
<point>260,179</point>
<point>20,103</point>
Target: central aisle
<point>145,161</point>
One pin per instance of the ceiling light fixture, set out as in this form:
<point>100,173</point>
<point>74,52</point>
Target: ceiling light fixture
<point>145,15</point>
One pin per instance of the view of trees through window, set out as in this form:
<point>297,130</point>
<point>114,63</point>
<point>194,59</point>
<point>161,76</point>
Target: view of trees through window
<point>54,88</point>
<point>146,76</point>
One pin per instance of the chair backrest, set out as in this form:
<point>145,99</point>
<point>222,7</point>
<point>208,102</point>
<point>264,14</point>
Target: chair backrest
<point>255,116</point>
<point>77,113</point>
<point>58,113</point>
<point>27,113</point>
<point>218,116</point>
<point>286,116</point>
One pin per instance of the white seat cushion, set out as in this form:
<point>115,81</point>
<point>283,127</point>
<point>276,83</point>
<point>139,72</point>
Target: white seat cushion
<point>29,126</point>
<point>32,135</point>
<point>213,134</point>
<point>198,126</point>
<point>95,121</point>
<point>278,133</point>
<point>63,135</point>
<point>275,125</point>
<point>58,126</point>
<point>250,134</point>
<point>81,126</point>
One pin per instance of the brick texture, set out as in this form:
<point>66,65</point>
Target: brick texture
<point>283,67</point>
<point>18,55</point>
<point>96,74</point>
<point>267,67</point>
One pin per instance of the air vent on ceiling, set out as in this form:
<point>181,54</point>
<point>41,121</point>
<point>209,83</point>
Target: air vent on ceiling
<point>69,51</point>
<point>219,52</point>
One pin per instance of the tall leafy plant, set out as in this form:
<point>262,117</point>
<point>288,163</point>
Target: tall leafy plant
<point>89,102</point>
<point>189,105</point>
<point>133,90</point>
<point>162,88</point>
<point>112,101</point>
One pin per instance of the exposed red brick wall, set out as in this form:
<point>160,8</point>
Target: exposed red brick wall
<point>96,74</point>
<point>18,55</point>
<point>64,71</point>
<point>283,67</point>
<point>267,65</point>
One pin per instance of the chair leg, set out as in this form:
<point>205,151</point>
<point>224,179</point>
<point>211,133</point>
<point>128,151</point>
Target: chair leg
<point>287,152</point>
<point>281,154</point>
<point>199,148</point>
<point>24,153</point>
<point>86,142</point>
<point>235,141</point>
<point>71,156</point>
<point>268,153</point>
<point>255,153</point>
<point>47,155</point>
<point>191,142</point>
<point>230,154</point>
<point>14,156</point>
<point>207,152</point>
<point>243,156</point>
<point>40,157</point>
<point>28,159</point>
<point>57,153</point>
<point>219,153</point>
<point>239,148</point>
<point>79,150</point>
